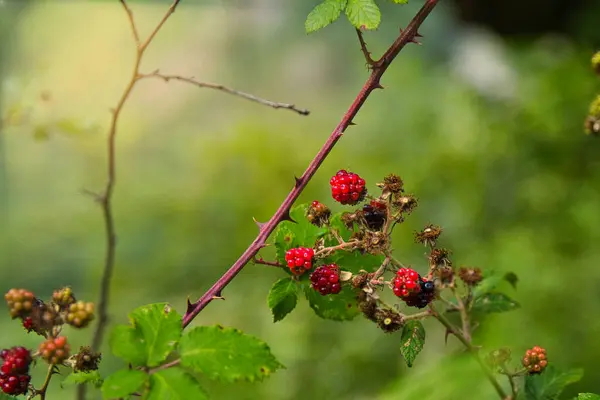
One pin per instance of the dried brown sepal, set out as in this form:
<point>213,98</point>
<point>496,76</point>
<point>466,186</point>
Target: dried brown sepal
<point>360,280</point>
<point>86,360</point>
<point>388,320</point>
<point>318,213</point>
<point>345,276</point>
<point>445,274</point>
<point>392,184</point>
<point>367,306</point>
<point>44,318</point>
<point>470,276</point>
<point>63,298</point>
<point>439,258</point>
<point>349,219</point>
<point>375,242</point>
<point>405,204</point>
<point>429,235</point>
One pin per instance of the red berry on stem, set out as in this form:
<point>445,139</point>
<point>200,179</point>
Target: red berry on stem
<point>325,279</point>
<point>299,259</point>
<point>347,187</point>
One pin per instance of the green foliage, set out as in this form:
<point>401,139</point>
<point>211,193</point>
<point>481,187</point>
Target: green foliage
<point>413,340</point>
<point>80,378</point>
<point>123,383</point>
<point>494,303</point>
<point>282,298</point>
<point>492,280</point>
<point>362,14</point>
<point>550,384</point>
<point>174,384</point>
<point>339,307</point>
<point>587,396</point>
<point>226,354</point>
<point>324,14</point>
<point>153,334</point>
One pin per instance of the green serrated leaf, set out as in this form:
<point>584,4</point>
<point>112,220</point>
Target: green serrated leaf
<point>400,1</point>
<point>80,378</point>
<point>363,14</point>
<point>282,298</point>
<point>226,354</point>
<point>299,234</point>
<point>174,384</point>
<point>550,384</point>
<point>335,222</point>
<point>489,283</point>
<point>6,397</point>
<point>123,383</point>
<point>494,303</point>
<point>336,307</point>
<point>324,14</point>
<point>128,344</point>
<point>355,261</point>
<point>413,339</point>
<point>588,396</point>
<point>160,326</point>
<point>511,278</point>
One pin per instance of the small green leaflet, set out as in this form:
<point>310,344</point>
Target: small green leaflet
<point>413,339</point>
<point>226,354</point>
<point>153,334</point>
<point>324,14</point>
<point>80,378</point>
<point>363,14</point>
<point>123,383</point>
<point>587,396</point>
<point>282,298</point>
<point>550,384</point>
<point>492,280</point>
<point>339,307</point>
<point>174,384</point>
<point>494,303</point>
<point>400,1</point>
<point>299,234</point>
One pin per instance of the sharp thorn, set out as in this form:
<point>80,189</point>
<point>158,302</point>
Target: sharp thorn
<point>378,86</point>
<point>298,181</point>
<point>287,217</point>
<point>190,306</point>
<point>351,123</point>
<point>418,35</point>
<point>259,224</point>
<point>446,336</point>
<point>218,298</point>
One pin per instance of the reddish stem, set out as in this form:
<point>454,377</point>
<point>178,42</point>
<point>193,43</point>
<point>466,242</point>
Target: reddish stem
<point>406,36</point>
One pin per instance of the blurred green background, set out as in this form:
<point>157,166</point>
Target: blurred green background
<point>485,130</point>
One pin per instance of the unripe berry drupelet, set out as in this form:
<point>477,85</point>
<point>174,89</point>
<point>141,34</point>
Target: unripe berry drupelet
<point>55,350</point>
<point>20,302</point>
<point>318,213</point>
<point>80,314</point>
<point>535,360</point>
<point>299,259</point>
<point>347,187</point>
<point>326,279</point>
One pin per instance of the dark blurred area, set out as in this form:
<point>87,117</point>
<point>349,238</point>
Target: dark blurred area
<point>484,122</point>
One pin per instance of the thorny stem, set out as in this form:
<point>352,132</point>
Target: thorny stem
<point>406,36</point>
<point>464,315</point>
<point>105,198</point>
<point>262,261</point>
<point>363,48</point>
<point>472,349</point>
<point>342,246</point>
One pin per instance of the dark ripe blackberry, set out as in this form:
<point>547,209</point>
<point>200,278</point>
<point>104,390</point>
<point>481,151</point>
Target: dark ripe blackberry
<point>374,217</point>
<point>427,286</point>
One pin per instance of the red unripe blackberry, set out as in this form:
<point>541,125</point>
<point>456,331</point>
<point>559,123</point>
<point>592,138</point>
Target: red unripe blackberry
<point>299,259</point>
<point>535,360</point>
<point>55,350</point>
<point>28,324</point>
<point>14,384</point>
<point>347,187</point>
<point>16,361</point>
<point>326,279</point>
<point>412,288</point>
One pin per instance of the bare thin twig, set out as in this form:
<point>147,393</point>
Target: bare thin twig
<point>225,89</point>
<point>363,47</point>
<point>134,31</point>
<point>262,261</point>
<point>406,36</point>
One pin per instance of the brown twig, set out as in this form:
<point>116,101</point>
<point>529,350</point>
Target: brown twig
<point>262,261</point>
<point>406,36</point>
<point>363,48</point>
<point>225,89</point>
<point>42,391</point>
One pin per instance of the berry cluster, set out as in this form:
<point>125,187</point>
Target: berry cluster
<point>299,259</point>
<point>14,373</point>
<point>20,302</point>
<point>80,314</point>
<point>535,360</point>
<point>374,215</point>
<point>55,350</point>
<point>347,187</point>
<point>326,279</point>
<point>318,213</point>
<point>412,288</point>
